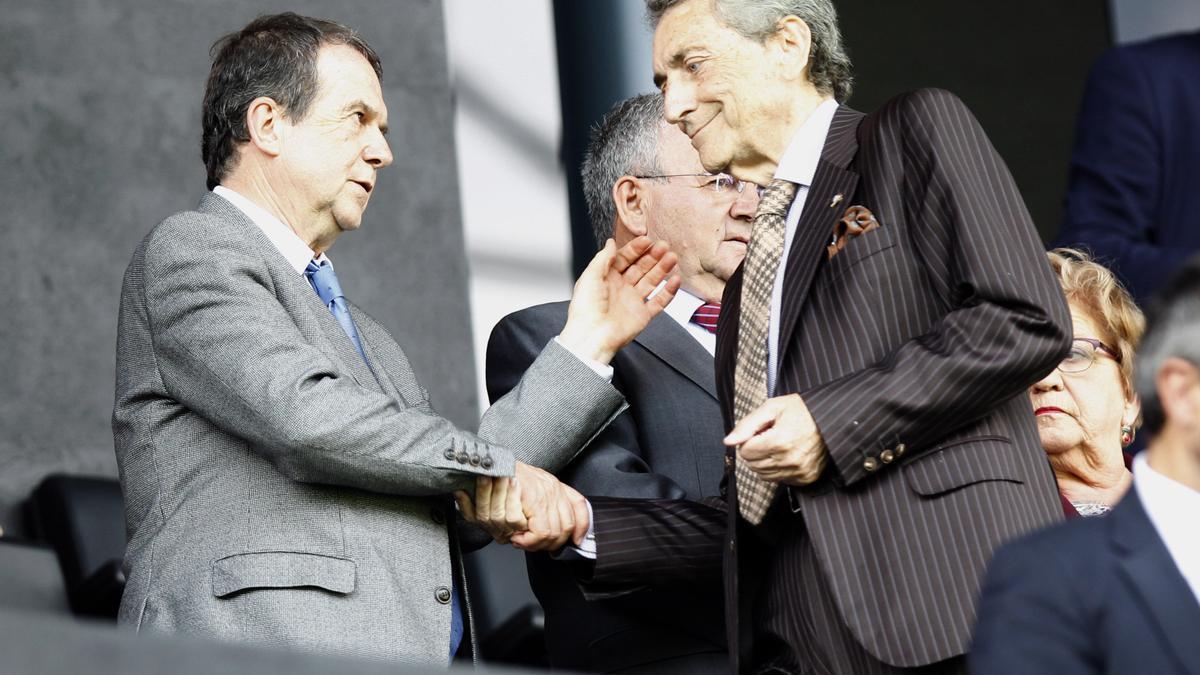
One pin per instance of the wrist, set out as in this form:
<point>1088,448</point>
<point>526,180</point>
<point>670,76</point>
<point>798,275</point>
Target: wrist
<point>586,344</point>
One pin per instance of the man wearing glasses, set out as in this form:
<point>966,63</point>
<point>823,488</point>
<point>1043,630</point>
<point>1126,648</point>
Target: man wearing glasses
<point>642,177</point>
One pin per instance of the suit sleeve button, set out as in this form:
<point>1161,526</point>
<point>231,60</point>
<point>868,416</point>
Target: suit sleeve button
<point>449,453</point>
<point>461,458</point>
<point>900,449</point>
<point>870,464</point>
<point>474,459</point>
<point>442,594</point>
<point>887,456</point>
<point>486,462</point>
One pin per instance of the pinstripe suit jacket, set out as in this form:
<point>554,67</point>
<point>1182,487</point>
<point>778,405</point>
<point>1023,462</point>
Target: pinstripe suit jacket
<point>279,490</point>
<point>912,349</point>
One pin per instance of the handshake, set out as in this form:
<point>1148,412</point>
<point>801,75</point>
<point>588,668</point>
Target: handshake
<point>531,510</point>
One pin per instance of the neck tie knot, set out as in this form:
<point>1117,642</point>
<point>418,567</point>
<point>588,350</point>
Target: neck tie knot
<point>706,316</point>
<point>324,281</point>
<point>776,199</point>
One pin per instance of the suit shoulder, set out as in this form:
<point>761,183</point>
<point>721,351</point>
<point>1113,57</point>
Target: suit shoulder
<point>187,231</point>
<point>926,102</point>
<point>547,318</point>
<point>1160,52</point>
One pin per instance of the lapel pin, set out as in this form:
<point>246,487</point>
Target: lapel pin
<point>837,199</point>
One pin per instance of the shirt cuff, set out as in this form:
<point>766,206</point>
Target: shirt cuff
<point>602,369</point>
<point>584,551</point>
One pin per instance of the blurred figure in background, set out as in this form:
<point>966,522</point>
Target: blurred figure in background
<point>642,177</point>
<point>1132,197</point>
<point>1119,594</point>
<point>1086,408</point>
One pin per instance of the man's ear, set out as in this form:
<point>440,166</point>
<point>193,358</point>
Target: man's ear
<point>793,42</point>
<point>264,122</point>
<point>1178,384</point>
<point>631,198</point>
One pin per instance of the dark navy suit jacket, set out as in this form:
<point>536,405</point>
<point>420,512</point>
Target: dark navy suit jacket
<point>1133,196</point>
<point>1094,595</point>
<point>667,445</point>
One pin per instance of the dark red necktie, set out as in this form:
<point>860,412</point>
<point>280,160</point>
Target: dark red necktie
<point>706,316</point>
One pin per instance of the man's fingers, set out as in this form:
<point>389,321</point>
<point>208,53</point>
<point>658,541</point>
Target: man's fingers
<point>582,521</point>
<point>465,507</point>
<point>514,514</point>
<point>753,423</point>
<point>483,495</point>
<point>498,500</point>
<point>643,266</point>
<point>663,298</point>
<point>630,253</point>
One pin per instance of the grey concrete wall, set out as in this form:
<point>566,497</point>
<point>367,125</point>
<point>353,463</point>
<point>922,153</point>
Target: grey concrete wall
<point>1135,20</point>
<point>99,140</point>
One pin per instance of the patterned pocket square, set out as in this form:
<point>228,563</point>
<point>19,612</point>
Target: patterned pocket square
<point>857,220</point>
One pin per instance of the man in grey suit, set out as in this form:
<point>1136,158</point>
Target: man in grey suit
<point>642,177</point>
<point>285,477</point>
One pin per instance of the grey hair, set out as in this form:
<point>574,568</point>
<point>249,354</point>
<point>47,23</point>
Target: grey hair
<point>1173,330</point>
<point>624,143</point>
<point>829,67</point>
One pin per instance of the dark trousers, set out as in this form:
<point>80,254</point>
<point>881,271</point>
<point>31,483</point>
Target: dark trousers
<point>798,627</point>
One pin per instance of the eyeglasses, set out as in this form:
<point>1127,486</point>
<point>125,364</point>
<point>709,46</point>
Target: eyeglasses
<point>717,182</point>
<point>1083,354</point>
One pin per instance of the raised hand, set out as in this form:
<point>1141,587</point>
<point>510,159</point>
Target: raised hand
<point>609,306</point>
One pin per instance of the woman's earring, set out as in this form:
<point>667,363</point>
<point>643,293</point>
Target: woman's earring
<point>1126,436</point>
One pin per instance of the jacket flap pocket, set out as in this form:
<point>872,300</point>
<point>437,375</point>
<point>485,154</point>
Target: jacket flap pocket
<point>964,462</point>
<point>861,247</point>
<point>281,569</point>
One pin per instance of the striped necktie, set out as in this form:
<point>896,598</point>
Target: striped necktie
<point>706,315</point>
<point>754,495</point>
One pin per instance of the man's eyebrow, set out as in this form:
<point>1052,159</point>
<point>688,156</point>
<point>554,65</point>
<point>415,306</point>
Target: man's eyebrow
<point>370,110</point>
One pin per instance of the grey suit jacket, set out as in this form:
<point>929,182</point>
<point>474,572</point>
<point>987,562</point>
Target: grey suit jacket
<point>277,488</point>
<point>667,445</point>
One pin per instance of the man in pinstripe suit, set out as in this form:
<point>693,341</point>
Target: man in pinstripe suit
<point>881,448</point>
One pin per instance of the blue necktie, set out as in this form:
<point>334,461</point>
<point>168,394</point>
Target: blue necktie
<point>325,282</point>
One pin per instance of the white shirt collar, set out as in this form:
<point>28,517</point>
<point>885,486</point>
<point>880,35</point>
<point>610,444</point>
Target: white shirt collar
<point>682,307</point>
<point>289,244</point>
<point>1172,508</point>
<point>799,162</point>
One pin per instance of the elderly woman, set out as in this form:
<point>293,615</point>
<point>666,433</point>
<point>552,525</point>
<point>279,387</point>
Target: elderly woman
<point>1086,408</point>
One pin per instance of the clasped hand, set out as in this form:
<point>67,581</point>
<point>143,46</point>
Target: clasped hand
<point>531,510</point>
<point>780,442</point>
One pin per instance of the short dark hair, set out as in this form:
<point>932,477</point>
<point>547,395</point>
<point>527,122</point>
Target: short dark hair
<point>1172,330</point>
<point>275,56</point>
<point>624,143</point>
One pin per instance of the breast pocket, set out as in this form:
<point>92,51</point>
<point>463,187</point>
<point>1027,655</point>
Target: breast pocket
<point>282,569</point>
<point>861,248</point>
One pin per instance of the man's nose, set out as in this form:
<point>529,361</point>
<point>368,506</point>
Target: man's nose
<point>378,153</point>
<point>746,204</point>
<point>679,100</point>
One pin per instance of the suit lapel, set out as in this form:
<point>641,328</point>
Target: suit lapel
<point>817,219</point>
<point>329,338</point>
<point>1148,568</point>
<point>671,343</point>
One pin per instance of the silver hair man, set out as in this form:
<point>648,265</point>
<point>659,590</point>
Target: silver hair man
<point>757,19</point>
<point>624,143</point>
<point>1173,331</point>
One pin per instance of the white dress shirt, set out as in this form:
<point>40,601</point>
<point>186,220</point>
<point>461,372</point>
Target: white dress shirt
<point>286,241</point>
<point>298,254</point>
<point>1172,508</point>
<point>798,165</point>
<point>681,308</point>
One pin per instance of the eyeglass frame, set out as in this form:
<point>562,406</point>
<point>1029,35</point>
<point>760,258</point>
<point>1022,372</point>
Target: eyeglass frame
<point>738,185</point>
<point>1097,347</point>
